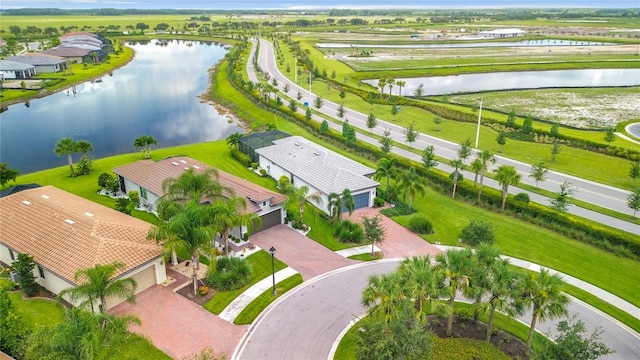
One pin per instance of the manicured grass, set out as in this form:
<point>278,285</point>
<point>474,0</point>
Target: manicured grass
<point>322,232</point>
<point>37,312</point>
<point>261,266</point>
<point>465,349</point>
<point>366,257</point>
<point>251,311</point>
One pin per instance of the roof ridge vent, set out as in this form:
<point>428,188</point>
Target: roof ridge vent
<point>69,221</point>
<point>196,167</point>
<point>88,214</point>
<point>174,163</point>
<point>46,197</point>
<point>26,202</point>
<point>316,153</point>
<point>183,161</point>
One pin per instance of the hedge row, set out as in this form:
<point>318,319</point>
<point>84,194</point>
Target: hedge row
<point>616,242</point>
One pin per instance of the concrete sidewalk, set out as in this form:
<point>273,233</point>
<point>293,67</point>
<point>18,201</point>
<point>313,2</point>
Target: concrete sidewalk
<point>239,303</point>
<point>583,285</point>
<point>366,249</point>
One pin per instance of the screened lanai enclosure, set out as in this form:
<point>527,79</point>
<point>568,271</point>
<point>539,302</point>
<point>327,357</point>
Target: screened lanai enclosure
<point>248,144</point>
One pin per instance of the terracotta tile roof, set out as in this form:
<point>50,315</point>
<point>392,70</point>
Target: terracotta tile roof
<point>150,175</point>
<point>65,233</point>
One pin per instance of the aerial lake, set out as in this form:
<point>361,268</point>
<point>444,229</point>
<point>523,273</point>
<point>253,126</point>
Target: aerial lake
<point>155,94</point>
<point>465,83</point>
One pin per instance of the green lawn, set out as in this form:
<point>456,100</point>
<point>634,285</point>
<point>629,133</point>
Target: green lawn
<point>261,266</point>
<point>251,311</point>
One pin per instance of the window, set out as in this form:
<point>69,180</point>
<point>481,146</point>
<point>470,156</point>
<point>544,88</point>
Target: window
<point>264,203</point>
<point>143,193</point>
<point>41,271</point>
<point>13,257</point>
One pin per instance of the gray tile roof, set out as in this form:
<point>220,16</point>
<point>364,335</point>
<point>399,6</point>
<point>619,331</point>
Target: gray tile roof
<point>6,65</point>
<point>37,59</point>
<point>320,167</point>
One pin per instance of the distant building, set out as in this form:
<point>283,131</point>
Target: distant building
<point>43,63</point>
<point>501,33</point>
<point>16,70</point>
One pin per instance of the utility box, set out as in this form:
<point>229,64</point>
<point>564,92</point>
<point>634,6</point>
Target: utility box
<point>15,277</point>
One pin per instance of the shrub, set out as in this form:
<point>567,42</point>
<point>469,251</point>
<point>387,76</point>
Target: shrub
<point>378,202</point>
<point>349,232</point>
<point>24,266</point>
<point>263,172</point>
<point>478,232</point>
<point>134,196</point>
<point>243,158</point>
<point>104,179</point>
<point>122,205</point>
<point>254,165</point>
<point>419,224</point>
<point>399,208</point>
<point>231,273</point>
<point>283,181</point>
<point>522,197</point>
<point>84,167</point>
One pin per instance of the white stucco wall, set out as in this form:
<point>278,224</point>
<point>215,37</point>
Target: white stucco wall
<point>151,199</point>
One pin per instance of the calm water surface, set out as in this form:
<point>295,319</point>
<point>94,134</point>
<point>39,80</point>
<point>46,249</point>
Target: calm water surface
<point>156,94</point>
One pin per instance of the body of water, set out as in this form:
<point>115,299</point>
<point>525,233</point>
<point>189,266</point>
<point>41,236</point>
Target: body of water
<point>521,43</point>
<point>155,94</point>
<point>441,85</point>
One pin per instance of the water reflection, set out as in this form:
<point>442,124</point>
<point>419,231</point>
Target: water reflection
<point>156,94</point>
<point>440,85</point>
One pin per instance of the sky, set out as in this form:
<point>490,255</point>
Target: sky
<point>314,4</point>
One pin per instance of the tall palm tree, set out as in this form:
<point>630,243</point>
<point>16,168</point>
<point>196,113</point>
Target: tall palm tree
<point>191,228</point>
<point>83,147</point>
<point>234,139</point>
<point>422,282</point>
<point>144,142</point>
<point>66,146</point>
<point>98,283</point>
<point>411,183</point>
<point>384,291</point>
<point>338,201</point>
<point>191,185</point>
<point>502,289</point>
<point>507,175</point>
<point>381,84</point>
<point>486,157</point>
<point>390,84</point>
<point>299,196</point>
<point>400,84</point>
<point>457,266</point>
<point>386,168</point>
<point>476,167</point>
<point>456,164</point>
<point>230,214</point>
<point>543,293</point>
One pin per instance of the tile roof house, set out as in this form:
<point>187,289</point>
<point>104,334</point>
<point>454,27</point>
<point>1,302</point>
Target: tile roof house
<point>146,177</point>
<point>43,63</point>
<point>65,233</point>
<point>322,170</point>
<point>16,70</point>
<point>73,54</point>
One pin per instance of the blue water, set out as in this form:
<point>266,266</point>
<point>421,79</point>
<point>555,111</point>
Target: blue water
<point>155,94</point>
<point>521,43</point>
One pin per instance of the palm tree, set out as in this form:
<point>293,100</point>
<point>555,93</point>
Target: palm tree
<point>543,292</point>
<point>476,167</point>
<point>386,168</point>
<point>338,201</point>
<point>506,175</point>
<point>191,228</point>
<point>390,83</point>
<point>381,84</point>
<point>486,157</point>
<point>98,283</point>
<point>422,282</point>
<point>457,268</point>
<point>384,291</point>
<point>192,185</point>
<point>502,289</point>
<point>400,84</point>
<point>234,139</point>
<point>299,196</point>
<point>83,147</point>
<point>230,214</point>
<point>411,183</point>
<point>144,142</point>
<point>456,164</point>
<point>66,146</point>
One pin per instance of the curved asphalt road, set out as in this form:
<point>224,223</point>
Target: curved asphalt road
<point>598,194</point>
<point>305,323</point>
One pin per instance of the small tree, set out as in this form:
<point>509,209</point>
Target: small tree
<point>634,200</point>
<point>299,95</point>
<point>342,95</point>
<point>373,230</point>
<point>411,133</point>
<point>342,111</point>
<point>283,181</point>
<point>144,142</point>
<point>419,91</point>
<point>24,266</point>
<point>293,106</point>
<point>501,140</point>
<point>555,150</point>
<point>286,88</point>
<point>634,171</point>
<point>371,121</point>
<point>465,150</point>
<point>429,157</point>
<point>7,174</point>
<point>563,199</point>
<point>386,142</point>
<point>572,344</point>
<point>511,119</point>
<point>308,114</point>
<point>539,172</point>
<point>610,135</point>
<point>324,127</point>
<point>527,125</point>
<point>233,140</point>
<point>437,120</point>
<point>318,102</point>
<point>478,232</point>
<point>555,130</point>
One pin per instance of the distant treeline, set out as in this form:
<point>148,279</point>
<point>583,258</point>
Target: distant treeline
<point>498,14</point>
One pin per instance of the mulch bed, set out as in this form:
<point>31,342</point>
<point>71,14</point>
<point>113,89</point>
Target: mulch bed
<point>467,328</point>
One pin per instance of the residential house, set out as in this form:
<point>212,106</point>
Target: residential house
<point>322,170</point>
<point>501,33</point>
<point>75,55</point>
<point>65,233</point>
<point>146,177</point>
<point>16,70</point>
<point>43,63</point>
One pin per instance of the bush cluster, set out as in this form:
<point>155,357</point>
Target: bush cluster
<point>478,232</point>
<point>349,232</point>
<point>243,158</point>
<point>231,273</point>
<point>399,208</point>
<point>419,224</point>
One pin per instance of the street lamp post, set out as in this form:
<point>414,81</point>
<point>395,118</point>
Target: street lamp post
<point>479,119</point>
<point>272,251</point>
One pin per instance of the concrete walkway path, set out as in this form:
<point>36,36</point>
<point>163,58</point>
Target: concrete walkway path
<point>239,303</point>
<point>357,250</point>
<point>583,285</point>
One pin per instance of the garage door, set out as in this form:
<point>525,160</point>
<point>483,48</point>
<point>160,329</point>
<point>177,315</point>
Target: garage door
<point>361,200</point>
<point>270,220</point>
<point>145,279</point>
